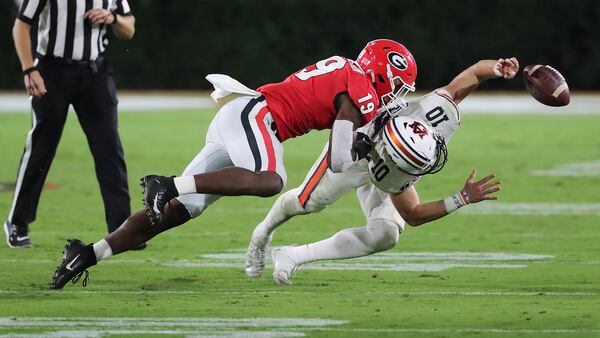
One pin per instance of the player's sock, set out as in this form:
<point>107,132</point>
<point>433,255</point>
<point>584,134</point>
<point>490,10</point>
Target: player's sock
<point>339,246</point>
<point>102,250</point>
<point>185,185</point>
<point>286,206</point>
<point>348,243</point>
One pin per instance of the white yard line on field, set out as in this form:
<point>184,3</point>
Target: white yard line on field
<point>540,293</point>
<point>386,261</point>
<point>533,209</point>
<point>18,103</point>
<point>189,327</point>
<point>478,103</point>
<point>579,169</point>
<point>459,330</point>
<point>221,327</point>
<point>484,208</point>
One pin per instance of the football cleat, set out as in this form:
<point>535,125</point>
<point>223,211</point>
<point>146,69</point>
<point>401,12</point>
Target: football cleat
<point>255,257</point>
<point>284,266</point>
<point>76,259</point>
<point>16,237</point>
<point>158,191</point>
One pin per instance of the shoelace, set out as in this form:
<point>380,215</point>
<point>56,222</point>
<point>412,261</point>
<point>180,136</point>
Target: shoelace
<point>257,255</point>
<point>85,279</point>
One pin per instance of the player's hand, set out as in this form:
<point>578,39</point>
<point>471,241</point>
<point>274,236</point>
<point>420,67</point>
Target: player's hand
<point>506,68</point>
<point>362,146</point>
<point>481,190</point>
<point>34,84</point>
<point>99,16</point>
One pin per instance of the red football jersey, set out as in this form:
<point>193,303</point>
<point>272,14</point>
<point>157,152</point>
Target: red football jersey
<point>305,100</point>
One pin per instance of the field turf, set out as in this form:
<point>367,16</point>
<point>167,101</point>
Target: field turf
<point>495,274</point>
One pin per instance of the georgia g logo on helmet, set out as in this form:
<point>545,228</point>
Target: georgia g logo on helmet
<point>398,60</point>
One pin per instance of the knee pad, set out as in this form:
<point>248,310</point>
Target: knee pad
<point>386,233</point>
<point>290,204</point>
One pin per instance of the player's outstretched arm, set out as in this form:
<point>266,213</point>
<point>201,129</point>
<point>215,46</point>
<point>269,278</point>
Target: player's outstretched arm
<point>342,134</point>
<point>414,213</point>
<point>469,79</point>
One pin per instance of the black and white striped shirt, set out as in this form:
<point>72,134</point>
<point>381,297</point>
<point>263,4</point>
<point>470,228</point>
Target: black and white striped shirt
<point>62,29</point>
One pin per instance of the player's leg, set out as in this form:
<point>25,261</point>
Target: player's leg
<point>320,188</point>
<point>96,108</point>
<point>244,128</point>
<point>381,233</point>
<point>137,228</point>
<point>293,202</point>
<point>257,154</point>
<point>48,116</point>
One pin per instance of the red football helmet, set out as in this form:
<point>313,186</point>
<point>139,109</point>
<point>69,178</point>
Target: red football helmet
<point>392,69</point>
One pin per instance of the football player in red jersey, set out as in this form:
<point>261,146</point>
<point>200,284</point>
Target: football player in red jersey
<point>243,154</point>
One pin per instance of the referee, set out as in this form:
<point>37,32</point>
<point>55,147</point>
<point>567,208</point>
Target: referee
<point>68,68</point>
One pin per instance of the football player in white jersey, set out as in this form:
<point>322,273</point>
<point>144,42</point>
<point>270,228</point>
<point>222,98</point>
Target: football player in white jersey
<point>408,146</point>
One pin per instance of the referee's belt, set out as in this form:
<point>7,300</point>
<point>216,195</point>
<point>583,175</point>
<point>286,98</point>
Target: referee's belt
<point>93,64</point>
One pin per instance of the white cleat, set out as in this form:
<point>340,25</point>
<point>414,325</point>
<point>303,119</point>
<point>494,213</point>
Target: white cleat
<point>284,266</point>
<point>255,257</point>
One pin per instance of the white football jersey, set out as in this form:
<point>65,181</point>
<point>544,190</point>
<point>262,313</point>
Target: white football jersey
<point>438,109</point>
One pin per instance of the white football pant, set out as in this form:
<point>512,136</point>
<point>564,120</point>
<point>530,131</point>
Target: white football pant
<point>322,187</point>
<point>242,135</point>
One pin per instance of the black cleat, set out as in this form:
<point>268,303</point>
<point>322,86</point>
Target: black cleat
<point>77,258</point>
<point>16,236</point>
<point>158,191</point>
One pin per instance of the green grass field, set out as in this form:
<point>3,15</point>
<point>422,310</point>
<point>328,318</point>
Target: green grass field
<point>494,274</point>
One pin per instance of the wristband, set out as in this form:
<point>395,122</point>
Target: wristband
<point>456,201</point>
<point>30,70</point>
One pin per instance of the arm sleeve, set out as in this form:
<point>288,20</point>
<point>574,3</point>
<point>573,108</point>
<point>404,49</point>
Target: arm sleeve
<point>30,10</point>
<point>341,145</point>
<point>121,7</point>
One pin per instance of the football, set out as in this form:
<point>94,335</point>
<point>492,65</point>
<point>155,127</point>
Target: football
<point>546,85</point>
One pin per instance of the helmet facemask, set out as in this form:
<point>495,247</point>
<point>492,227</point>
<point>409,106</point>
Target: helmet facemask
<point>399,89</point>
<point>441,155</point>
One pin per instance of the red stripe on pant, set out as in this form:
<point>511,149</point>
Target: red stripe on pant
<point>260,121</point>
<point>313,181</point>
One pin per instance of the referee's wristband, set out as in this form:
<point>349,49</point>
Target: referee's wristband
<point>30,70</point>
<point>456,201</point>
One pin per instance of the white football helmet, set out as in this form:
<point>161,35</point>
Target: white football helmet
<point>413,146</point>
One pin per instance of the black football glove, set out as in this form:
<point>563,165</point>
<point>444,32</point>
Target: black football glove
<point>362,146</point>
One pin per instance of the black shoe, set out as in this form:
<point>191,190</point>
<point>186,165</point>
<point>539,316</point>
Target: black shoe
<point>158,191</point>
<point>77,258</point>
<point>16,237</point>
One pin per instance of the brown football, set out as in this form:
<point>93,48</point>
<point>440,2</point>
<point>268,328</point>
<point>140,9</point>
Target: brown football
<point>546,85</point>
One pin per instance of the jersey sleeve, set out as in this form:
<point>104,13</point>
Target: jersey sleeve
<point>362,93</point>
<point>438,109</point>
<point>30,10</point>
<point>121,7</point>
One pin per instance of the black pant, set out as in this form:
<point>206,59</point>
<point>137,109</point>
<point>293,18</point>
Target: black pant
<point>91,90</point>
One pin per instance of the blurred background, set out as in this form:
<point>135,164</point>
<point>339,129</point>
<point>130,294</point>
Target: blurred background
<point>178,42</point>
